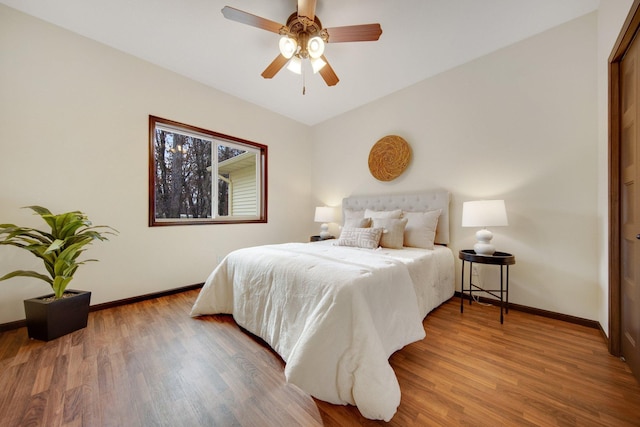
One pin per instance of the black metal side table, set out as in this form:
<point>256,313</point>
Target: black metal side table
<point>502,259</point>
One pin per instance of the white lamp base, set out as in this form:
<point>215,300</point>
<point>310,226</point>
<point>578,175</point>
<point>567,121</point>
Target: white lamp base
<point>324,231</point>
<point>484,246</point>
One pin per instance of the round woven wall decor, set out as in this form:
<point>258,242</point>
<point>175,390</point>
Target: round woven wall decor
<point>389,157</point>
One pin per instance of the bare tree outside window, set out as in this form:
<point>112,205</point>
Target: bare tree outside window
<point>183,183</point>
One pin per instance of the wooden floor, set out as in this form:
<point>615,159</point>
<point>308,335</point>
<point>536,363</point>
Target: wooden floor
<point>150,364</point>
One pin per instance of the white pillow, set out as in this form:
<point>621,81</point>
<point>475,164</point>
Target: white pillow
<point>368,213</point>
<point>368,238</point>
<point>393,231</point>
<point>420,231</point>
<point>357,223</point>
<point>350,213</point>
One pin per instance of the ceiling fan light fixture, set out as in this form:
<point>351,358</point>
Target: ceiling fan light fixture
<point>315,46</point>
<point>317,64</point>
<point>303,37</point>
<point>288,46</point>
<point>295,65</point>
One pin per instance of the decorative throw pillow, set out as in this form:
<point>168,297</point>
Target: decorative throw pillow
<point>393,231</point>
<point>368,238</point>
<point>353,214</point>
<point>357,223</point>
<point>420,231</point>
<point>368,213</point>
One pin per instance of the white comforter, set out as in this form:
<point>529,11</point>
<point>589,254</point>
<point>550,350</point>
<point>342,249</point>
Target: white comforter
<point>334,314</point>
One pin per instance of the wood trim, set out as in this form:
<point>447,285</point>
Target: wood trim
<point>614,209</point>
<point>144,297</point>
<point>4,327</point>
<point>263,190</point>
<point>627,33</point>
<point>531,310</point>
<point>540,312</point>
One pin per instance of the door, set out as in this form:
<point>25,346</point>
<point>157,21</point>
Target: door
<point>629,179</point>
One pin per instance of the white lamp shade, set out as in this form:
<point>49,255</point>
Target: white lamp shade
<point>325,214</point>
<point>484,213</point>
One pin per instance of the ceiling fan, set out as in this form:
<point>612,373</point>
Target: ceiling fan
<point>304,38</point>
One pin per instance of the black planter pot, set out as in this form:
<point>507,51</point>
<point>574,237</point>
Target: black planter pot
<point>48,320</point>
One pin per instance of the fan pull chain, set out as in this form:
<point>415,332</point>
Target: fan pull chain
<point>304,85</point>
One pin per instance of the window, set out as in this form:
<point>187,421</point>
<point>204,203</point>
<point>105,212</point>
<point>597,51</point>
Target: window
<point>198,176</point>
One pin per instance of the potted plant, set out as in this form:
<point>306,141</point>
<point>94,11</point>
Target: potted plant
<point>66,310</point>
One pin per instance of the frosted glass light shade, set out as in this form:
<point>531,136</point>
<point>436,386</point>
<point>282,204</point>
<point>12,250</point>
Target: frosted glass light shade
<point>484,213</point>
<point>317,64</point>
<point>288,46</point>
<point>315,47</point>
<point>295,65</point>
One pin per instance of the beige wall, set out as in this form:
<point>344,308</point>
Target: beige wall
<point>73,135</point>
<point>519,124</point>
<point>526,123</point>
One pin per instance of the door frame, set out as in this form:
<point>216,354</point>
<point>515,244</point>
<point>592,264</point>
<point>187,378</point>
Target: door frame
<point>627,34</point>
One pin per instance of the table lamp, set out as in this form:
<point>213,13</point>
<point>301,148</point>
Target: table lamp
<point>325,214</point>
<point>484,213</point>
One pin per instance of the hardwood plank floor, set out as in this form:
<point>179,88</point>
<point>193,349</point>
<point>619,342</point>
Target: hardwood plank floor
<point>150,364</point>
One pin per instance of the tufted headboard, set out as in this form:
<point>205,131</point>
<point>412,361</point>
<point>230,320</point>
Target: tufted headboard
<point>411,202</point>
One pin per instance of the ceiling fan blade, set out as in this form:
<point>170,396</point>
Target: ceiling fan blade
<point>249,19</point>
<point>307,8</point>
<point>274,67</point>
<point>354,33</point>
<point>327,73</point>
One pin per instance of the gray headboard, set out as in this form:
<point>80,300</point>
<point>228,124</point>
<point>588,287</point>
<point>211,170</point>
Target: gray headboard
<point>411,202</point>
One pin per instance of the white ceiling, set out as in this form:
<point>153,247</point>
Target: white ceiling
<point>420,38</point>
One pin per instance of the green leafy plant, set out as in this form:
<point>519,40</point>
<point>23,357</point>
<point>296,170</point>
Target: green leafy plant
<point>59,248</point>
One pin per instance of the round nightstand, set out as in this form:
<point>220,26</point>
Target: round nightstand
<point>502,259</point>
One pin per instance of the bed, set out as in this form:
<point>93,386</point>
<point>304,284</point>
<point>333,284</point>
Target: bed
<point>336,311</point>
